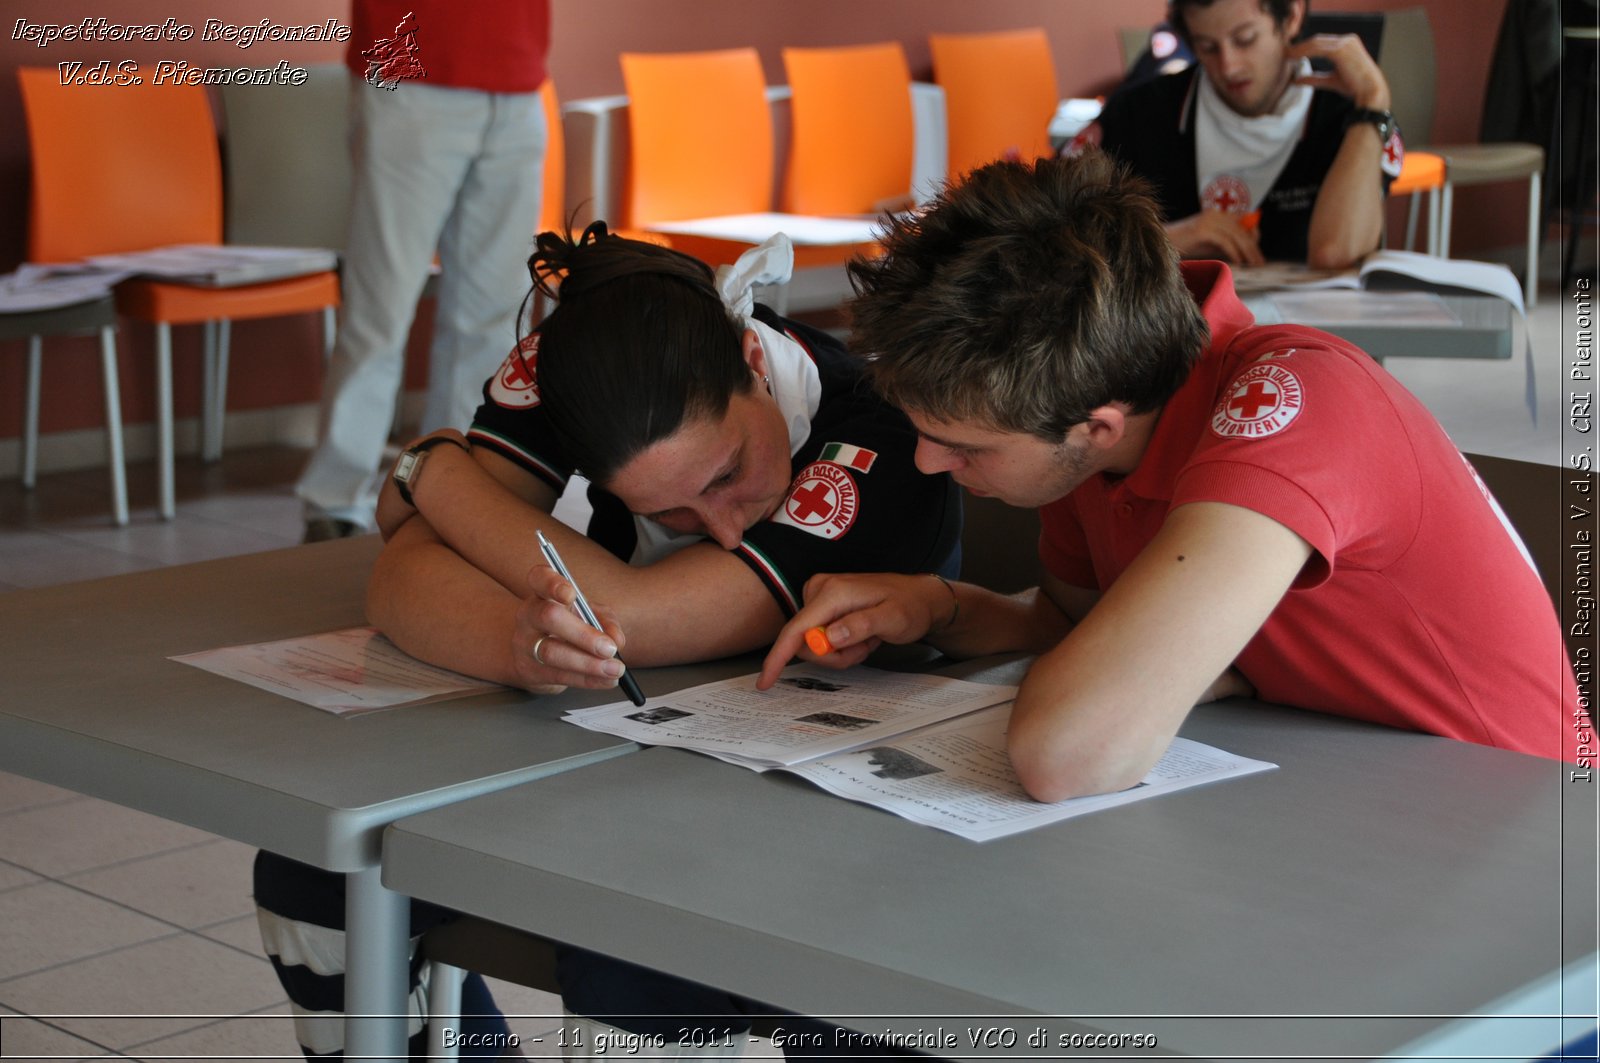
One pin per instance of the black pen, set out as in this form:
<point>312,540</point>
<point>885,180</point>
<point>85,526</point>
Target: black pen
<point>630,685</point>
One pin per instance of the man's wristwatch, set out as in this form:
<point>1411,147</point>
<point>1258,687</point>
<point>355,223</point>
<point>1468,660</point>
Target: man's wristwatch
<point>409,467</point>
<point>1384,120</point>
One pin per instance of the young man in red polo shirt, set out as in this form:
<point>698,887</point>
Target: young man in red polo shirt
<point>1227,509</point>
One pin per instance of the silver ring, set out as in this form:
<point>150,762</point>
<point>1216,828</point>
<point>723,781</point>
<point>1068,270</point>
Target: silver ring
<point>537,646</point>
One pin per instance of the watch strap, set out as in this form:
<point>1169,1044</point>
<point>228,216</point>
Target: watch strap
<point>406,471</point>
<point>1384,120</point>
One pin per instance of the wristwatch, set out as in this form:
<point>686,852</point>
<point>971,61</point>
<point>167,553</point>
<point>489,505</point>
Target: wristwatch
<point>409,467</point>
<point>1384,120</point>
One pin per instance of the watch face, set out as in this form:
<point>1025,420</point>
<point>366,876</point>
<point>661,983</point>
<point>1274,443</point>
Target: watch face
<point>404,467</point>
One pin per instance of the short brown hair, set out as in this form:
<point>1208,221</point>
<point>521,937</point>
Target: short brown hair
<point>1278,9</point>
<point>1026,296</point>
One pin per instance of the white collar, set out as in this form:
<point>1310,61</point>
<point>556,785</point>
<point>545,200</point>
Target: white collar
<point>1238,159</point>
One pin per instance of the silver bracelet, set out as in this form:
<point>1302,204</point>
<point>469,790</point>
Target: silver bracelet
<point>954,613</point>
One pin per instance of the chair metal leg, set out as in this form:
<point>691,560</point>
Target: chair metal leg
<point>208,385</point>
<point>1412,209</point>
<point>119,477</point>
<point>1530,294</point>
<point>1435,213</point>
<point>164,461</point>
<point>216,413</point>
<point>444,1008</point>
<point>30,414</point>
<point>330,331</point>
<point>1446,216</point>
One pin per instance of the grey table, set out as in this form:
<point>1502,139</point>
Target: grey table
<point>90,702</point>
<point>1483,326</point>
<point>1360,901</point>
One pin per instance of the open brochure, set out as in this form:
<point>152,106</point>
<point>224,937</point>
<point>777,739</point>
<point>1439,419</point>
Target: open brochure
<point>929,748</point>
<point>1388,270</point>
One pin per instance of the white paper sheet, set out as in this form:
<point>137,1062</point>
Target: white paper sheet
<point>802,229</point>
<point>346,672</point>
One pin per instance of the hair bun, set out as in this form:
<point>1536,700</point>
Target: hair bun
<point>597,257</point>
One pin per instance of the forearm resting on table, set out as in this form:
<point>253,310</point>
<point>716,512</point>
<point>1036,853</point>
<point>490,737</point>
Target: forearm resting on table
<point>989,622</point>
<point>1094,714</point>
<point>435,606</point>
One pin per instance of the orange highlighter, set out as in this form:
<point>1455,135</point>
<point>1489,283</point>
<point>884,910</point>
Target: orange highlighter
<point>817,641</point>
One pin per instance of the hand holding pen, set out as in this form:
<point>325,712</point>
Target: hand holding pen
<point>546,642</point>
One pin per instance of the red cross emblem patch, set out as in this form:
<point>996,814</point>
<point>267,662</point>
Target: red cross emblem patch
<point>1226,193</point>
<point>823,500</point>
<point>1262,402</point>
<point>1394,154</point>
<point>1088,137</point>
<point>516,383</point>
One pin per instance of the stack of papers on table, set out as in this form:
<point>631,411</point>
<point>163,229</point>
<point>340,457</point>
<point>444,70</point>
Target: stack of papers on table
<point>929,748</point>
<point>220,265</point>
<point>35,287</point>
<point>48,285</point>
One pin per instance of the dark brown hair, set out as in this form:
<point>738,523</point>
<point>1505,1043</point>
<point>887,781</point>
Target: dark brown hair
<point>1026,296</point>
<point>639,343</point>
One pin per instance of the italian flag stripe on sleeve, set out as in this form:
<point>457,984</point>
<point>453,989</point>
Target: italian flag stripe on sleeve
<point>851,457</point>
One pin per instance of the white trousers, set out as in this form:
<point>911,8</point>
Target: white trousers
<point>455,171</point>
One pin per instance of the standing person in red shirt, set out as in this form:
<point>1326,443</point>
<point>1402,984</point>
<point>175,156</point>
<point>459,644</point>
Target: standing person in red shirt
<point>447,140</point>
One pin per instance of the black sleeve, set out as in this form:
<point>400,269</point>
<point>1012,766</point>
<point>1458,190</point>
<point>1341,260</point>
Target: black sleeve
<point>512,423</point>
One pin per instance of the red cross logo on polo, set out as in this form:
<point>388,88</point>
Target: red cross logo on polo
<point>516,382</point>
<point>1226,193</point>
<point>823,501</point>
<point>1394,154</point>
<point>1260,403</point>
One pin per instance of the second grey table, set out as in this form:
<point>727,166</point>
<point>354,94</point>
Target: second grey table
<point>1383,892</point>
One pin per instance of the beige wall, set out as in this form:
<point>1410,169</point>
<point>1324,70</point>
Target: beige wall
<point>276,362</point>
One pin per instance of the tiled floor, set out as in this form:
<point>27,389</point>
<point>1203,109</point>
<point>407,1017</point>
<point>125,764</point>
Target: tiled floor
<point>123,935</point>
<point>148,925</point>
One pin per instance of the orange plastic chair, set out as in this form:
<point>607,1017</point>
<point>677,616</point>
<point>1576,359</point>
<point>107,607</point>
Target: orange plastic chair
<point>852,135</point>
<point>701,147</point>
<point>553,201</point>
<point>1000,95</point>
<point>1421,171</point>
<point>131,169</point>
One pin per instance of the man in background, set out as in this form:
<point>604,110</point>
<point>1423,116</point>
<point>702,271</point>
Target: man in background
<point>1255,156</point>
